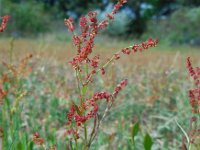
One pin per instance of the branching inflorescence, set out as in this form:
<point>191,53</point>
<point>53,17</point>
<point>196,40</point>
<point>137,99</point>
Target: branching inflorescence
<point>3,93</point>
<point>194,95</point>
<point>87,109</point>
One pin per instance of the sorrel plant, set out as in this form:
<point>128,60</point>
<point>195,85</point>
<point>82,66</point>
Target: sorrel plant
<point>86,67</point>
<point>192,137</point>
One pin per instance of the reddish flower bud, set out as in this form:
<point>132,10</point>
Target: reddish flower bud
<point>69,23</point>
<point>37,140</point>
<point>110,16</point>
<point>117,56</point>
<point>126,51</point>
<point>135,47</point>
<point>103,25</point>
<point>94,61</point>
<point>103,71</point>
<point>92,16</point>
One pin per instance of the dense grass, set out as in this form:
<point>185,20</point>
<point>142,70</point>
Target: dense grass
<point>156,95</point>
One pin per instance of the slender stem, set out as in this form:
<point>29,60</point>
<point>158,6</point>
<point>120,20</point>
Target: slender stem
<point>76,144</point>
<point>44,147</point>
<point>78,84</point>
<point>1,143</point>
<point>100,121</point>
<point>85,134</point>
<point>11,49</point>
<point>103,66</point>
<point>93,130</point>
<point>184,132</point>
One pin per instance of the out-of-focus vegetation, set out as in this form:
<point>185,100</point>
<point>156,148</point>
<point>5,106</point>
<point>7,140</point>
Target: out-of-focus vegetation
<point>173,21</point>
<point>182,27</point>
<point>28,18</point>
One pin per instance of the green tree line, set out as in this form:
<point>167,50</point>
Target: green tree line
<point>37,16</point>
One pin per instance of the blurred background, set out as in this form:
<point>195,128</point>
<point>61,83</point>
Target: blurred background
<point>173,21</point>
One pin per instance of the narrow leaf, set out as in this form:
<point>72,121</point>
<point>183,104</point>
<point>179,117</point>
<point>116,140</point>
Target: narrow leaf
<point>30,145</point>
<point>147,142</point>
<point>84,90</point>
<point>135,130</point>
<point>77,109</point>
<point>19,146</point>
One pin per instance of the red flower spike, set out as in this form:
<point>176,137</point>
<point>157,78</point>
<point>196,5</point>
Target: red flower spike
<point>83,23</point>
<point>192,72</point>
<point>119,87</point>
<point>194,94</point>
<point>5,20</point>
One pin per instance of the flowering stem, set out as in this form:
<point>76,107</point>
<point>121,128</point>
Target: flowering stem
<point>85,134</point>
<point>100,121</point>
<point>78,84</point>
<point>104,66</point>
<point>93,130</point>
<point>108,62</point>
<point>11,49</point>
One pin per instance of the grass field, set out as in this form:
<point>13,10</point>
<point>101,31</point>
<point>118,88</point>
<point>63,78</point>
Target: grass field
<point>156,95</point>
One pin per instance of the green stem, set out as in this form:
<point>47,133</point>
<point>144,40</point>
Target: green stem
<point>93,130</point>
<point>78,84</point>
<point>103,66</point>
<point>11,49</point>
<point>85,134</point>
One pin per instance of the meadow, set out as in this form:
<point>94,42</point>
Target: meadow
<point>156,95</point>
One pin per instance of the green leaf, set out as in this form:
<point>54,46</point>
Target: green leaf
<point>30,145</point>
<point>147,142</point>
<point>135,130</point>
<point>77,109</point>
<point>84,90</point>
<point>19,146</point>
<point>86,69</point>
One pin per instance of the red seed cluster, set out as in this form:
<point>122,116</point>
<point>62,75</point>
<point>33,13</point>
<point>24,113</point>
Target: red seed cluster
<point>194,73</point>
<point>69,23</point>
<point>37,139</point>
<point>90,27</point>
<point>4,23</point>
<point>126,51</point>
<point>119,87</point>
<point>2,94</point>
<point>194,94</point>
<point>94,61</point>
<point>145,45</point>
<point>118,5</point>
